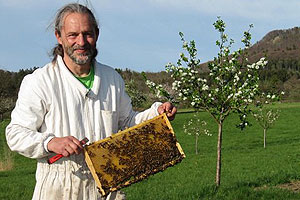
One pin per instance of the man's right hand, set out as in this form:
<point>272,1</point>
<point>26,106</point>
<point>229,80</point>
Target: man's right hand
<point>65,145</point>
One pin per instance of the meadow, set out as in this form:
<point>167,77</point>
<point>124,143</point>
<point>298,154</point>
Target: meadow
<point>248,170</point>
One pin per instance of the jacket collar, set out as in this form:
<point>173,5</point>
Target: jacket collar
<point>93,92</point>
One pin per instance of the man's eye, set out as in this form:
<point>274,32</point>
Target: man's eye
<point>89,34</point>
<point>72,35</point>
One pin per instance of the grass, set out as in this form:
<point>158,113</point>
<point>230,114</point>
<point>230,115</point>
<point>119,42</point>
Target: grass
<point>248,170</point>
<point>6,162</point>
<point>246,165</point>
<point>17,183</point>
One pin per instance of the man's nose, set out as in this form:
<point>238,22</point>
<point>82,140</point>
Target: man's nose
<point>81,40</point>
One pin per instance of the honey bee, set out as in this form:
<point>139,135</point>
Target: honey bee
<point>136,154</point>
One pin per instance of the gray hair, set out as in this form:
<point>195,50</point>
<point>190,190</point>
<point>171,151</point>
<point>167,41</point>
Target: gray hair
<point>59,22</point>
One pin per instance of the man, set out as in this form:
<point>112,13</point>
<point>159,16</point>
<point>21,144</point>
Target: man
<point>69,99</point>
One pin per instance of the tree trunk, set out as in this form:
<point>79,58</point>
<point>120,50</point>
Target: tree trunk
<point>265,137</point>
<point>219,158</point>
<point>196,144</point>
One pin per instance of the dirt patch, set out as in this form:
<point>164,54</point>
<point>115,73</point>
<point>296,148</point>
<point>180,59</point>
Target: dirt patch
<point>293,186</point>
<point>7,161</point>
<point>6,166</point>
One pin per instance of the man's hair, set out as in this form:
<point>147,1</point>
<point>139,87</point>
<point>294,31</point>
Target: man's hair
<point>59,22</point>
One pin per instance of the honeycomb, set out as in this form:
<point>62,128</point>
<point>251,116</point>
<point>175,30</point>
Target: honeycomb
<point>134,154</point>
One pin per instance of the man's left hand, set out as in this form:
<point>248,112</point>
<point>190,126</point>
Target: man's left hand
<point>169,109</point>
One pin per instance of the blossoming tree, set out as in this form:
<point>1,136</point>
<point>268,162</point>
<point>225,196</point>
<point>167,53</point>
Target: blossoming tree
<point>230,86</point>
<point>137,97</point>
<point>265,115</point>
<point>196,127</point>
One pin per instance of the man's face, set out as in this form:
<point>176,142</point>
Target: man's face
<point>78,38</point>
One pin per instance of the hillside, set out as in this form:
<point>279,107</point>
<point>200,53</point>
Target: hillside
<point>280,47</point>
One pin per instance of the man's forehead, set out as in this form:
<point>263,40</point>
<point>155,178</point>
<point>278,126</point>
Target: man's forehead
<point>74,20</point>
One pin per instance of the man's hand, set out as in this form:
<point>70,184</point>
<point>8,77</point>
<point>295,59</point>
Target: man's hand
<point>169,109</point>
<point>65,145</point>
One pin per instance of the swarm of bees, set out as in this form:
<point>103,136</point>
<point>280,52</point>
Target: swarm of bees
<point>134,154</point>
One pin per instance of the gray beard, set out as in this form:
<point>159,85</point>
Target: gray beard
<point>81,61</point>
<point>87,57</point>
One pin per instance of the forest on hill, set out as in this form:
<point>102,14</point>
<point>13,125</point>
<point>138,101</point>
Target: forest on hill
<point>280,47</point>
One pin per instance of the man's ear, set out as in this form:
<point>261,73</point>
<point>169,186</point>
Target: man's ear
<point>58,37</point>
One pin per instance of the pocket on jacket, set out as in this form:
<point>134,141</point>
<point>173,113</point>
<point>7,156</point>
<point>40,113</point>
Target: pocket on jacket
<point>109,122</point>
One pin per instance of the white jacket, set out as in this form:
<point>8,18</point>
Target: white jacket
<point>52,102</point>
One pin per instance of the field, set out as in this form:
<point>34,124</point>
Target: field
<point>248,170</point>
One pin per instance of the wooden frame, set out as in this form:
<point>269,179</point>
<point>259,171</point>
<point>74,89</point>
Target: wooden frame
<point>134,154</point>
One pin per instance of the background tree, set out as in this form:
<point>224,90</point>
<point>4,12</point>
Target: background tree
<point>231,84</point>
<point>195,126</point>
<point>137,96</point>
<point>6,105</point>
<point>265,115</point>
<point>9,88</point>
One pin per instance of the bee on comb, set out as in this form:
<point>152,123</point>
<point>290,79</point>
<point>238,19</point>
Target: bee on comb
<point>133,154</point>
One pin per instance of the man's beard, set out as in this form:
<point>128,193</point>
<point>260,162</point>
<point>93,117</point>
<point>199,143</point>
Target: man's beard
<point>81,58</point>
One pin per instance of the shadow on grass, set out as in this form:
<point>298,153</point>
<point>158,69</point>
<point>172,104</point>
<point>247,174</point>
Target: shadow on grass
<point>184,111</point>
<point>259,189</point>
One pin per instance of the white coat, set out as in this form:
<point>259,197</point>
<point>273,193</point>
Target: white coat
<point>52,102</point>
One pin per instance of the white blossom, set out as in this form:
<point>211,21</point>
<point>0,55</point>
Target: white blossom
<point>185,44</point>
<point>205,87</point>
<point>236,78</point>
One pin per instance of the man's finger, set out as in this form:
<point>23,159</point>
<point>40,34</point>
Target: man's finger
<point>78,143</point>
<point>75,148</point>
<point>68,151</point>
<point>172,113</point>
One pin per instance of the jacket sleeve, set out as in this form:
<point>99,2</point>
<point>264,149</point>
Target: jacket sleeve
<point>23,133</point>
<point>128,117</point>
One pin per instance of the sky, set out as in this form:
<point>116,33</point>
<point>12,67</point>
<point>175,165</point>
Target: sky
<point>141,35</point>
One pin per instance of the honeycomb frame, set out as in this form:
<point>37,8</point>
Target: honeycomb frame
<point>134,154</point>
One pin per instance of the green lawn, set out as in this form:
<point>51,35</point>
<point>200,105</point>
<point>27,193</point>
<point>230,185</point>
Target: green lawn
<point>248,170</point>
<point>18,183</point>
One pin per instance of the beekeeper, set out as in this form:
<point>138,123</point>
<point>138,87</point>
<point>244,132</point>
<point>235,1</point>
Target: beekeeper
<point>71,98</point>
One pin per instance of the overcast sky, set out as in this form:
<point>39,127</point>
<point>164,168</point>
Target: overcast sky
<point>141,35</point>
